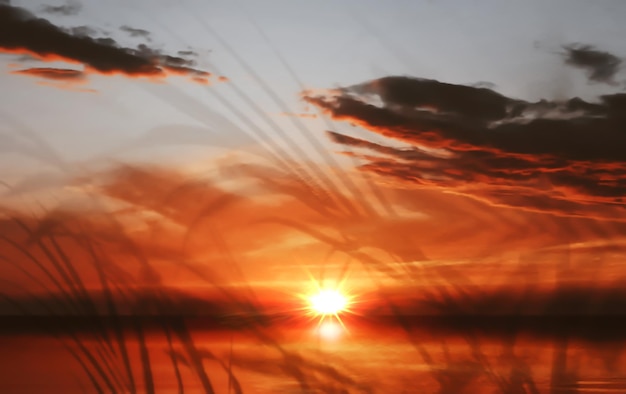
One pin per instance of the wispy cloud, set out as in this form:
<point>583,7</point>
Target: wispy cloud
<point>134,32</point>
<point>70,8</point>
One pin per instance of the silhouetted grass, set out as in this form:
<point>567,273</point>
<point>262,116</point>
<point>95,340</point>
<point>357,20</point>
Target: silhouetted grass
<point>110,330</point>
<point>56,251</point>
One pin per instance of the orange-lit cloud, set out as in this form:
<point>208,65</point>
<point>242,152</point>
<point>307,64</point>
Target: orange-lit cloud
<point>57,74</point>
<point>302,115</point>
<point>60,78</point>
<point>558,157</point>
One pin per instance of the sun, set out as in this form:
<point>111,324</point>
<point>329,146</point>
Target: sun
<point>328,302</point>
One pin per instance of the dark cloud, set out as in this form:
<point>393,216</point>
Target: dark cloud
<point>83,31</point>
<point>562,157</point>
<point>430,95</point>
<point>65,9</point>
<point>187,53</point>
<point>601,66</point>
<point>23,33</point>
<point>173,61</point>
<point>136,32</point>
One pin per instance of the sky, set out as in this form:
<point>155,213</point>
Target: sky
<point>427,119</point>
<point>231,158</point>
<point>326,44</point>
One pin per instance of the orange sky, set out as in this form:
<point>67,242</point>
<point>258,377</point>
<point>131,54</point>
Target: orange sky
<point>162,227</point>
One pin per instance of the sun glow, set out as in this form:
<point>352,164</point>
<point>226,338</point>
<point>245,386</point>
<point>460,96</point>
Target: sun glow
<point>328,302</point>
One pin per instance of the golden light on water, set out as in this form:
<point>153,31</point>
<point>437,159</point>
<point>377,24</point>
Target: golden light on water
<point>330,330</point>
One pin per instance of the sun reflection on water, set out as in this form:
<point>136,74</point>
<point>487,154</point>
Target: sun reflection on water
<point>330,330</point>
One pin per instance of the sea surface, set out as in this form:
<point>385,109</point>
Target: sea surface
<point>352,355</point>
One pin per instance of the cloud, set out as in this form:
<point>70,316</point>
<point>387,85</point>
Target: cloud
<point>561,157</point>
<point>65,9</point>
<point>302,115</point>
<point>57,74</point>
<point>23,33</point>
<point>601,66</point>
<point>136,32</point>
<point>84,31</point>
<point>428,95</point>
<point>187,53</point>
<point>60,78</point>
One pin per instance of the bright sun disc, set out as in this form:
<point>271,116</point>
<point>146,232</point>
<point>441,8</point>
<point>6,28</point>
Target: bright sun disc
<point>328,302</point>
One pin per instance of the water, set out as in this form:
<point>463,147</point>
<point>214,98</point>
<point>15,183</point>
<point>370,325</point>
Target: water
<point>364,356</point>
